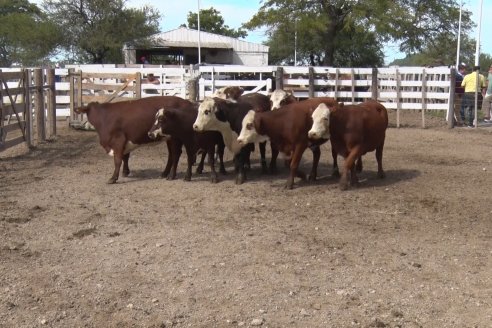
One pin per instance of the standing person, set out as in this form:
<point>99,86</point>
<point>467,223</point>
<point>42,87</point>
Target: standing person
<point>470,84</point>
<point>144,60</point>
<point>487,100</point>
<point>151,79</point>
<point>458,93</point>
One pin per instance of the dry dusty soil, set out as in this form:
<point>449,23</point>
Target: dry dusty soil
<point>413,250</point>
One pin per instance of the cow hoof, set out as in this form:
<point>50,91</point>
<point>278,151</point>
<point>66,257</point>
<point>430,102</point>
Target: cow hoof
<point>112,181</point>
<point>289,186</point>
<point>199,171</point>
<point>381,175</point>
<point>312,177</point>
<point>126,173</point>
<point>187,178</point>
<point>164,174</point>
<point>214,180</point>
<point>343,186</point>
<point>335,174</point>
<point>223,171</point>
<point>240,179</point>
<point>169,177</point>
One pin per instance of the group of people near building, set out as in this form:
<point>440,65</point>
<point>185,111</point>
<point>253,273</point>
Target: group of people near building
<point>466,88</point>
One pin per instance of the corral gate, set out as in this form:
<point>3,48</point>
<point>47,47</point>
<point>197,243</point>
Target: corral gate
<point>15,112</point>
<point>100,87</point>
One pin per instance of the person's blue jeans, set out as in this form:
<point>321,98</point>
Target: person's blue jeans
<point>468,101</point>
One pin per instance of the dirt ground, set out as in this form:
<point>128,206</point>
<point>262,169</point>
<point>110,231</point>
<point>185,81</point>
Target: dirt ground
<point>413,250</point>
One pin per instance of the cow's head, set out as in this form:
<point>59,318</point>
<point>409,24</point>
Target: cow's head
<point>86,109</point>
<point>321,122</point>
<point>158,130</point>
<point>211,117</point>
<point>279,98</point>
<point>230,93</point>
<point>249,132</point>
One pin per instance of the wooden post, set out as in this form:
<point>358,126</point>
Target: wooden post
<point>279,78</point>
<point>374,86</point>
<point>336,84</point>
<point>71,78</point>
<point>452,85</point>
<point>80,117</point>
<point>1,110</point>
<point>138,85</point>
<point>311,82</point>
<point>28,108</point>
<point>192,89</point>
<point>39,104</point>
<point>352,76</point>
<point>50,75</point>
<point>424,96</point>
<point>398,96</point>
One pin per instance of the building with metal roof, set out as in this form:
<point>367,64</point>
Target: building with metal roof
<point>180,47</point>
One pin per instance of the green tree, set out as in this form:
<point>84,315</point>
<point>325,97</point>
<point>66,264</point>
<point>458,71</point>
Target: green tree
<point>95,30</point>
<point>26,36</point>
<point>414,24</point>
<point>212,21</point>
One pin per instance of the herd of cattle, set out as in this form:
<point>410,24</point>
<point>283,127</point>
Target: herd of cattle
<point>236,121</point>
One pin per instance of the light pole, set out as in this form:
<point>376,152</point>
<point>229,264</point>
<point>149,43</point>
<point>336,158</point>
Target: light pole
<point>459,37</point>
<point>477,61</point>
<point>295,42</point>
<point>199,41</point>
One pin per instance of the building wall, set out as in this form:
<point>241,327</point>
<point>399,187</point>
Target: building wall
<point>250,59</point>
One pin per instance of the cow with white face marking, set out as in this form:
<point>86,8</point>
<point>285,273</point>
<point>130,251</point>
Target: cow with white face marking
<point>353,131</point>
<point>230,93</point>
<point>124,125</point>
<point>279,98</point>
<point>226,117</point>
<point>287,129</point>
<point>177,126</point>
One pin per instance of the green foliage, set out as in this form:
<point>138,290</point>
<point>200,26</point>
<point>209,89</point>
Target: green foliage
<point>212,21</point>
<point>95,30</point>
<point>27,38</point>
<point>348,33</point>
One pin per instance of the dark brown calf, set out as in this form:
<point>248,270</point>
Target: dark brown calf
<point>177,124</point>
<point>124,125</point>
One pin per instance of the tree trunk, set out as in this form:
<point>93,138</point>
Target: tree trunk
<point>331,32</point>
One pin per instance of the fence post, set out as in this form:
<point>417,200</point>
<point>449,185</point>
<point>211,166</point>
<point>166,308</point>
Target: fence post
<point>352,75</point>
<point>39,104</point>
<point>336,83</point>
<point>50,75</point>
<point>279,78</point>
<point>192,89</point>
<point>424,96</point>
<point>1,109</point>
<point>71,79</point>
<point>201,92</point>
<point>398,97</point>
<point>79,94</point>
<point>452,86</point>
<point>28,107</point>
<point>138,85</point>
<point>374,86</point>
<point>311,82</point>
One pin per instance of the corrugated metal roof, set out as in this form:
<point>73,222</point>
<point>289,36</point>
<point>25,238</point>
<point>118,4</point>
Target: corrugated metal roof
<point>190,44</point>
<point>184,34</point>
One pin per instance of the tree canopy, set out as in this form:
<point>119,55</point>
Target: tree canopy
<point>95,30</point>
<point>212,21</point>
<point>346,33</point>
<point>26,36</point>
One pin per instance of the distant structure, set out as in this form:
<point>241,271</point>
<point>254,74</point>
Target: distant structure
<point>180,47</point>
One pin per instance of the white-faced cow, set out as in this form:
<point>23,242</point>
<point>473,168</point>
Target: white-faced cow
<point>353,131</point>
<point>287,129</point>
<point>279,98</point>
<point>123,126</point>
<point>177,125</point>
<point>226,117</point>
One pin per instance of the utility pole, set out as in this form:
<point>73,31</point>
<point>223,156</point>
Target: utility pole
<point>295,42</point>
<point>459,37</point>
<point>477,61</point>
<point>199,41</point>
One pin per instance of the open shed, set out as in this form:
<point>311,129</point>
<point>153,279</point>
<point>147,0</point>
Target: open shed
<point>180,47</point>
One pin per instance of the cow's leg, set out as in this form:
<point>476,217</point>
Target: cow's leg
<point>264,167</point>
<point>314,169</point>
<point>169,163</point>
<point>199,168</point>
<point>335,172</point>
<point>176,146</point>
<point>273,161</point>
<point>239,161</point>
<point>358,164</point>
<point>220,152</point>
<point>294,165</point>
<point>190,154</point>
<point>126,168</point>
<point>211,162</point>
<point>118,146</point>
<point>349,166</point>
<point>379,159</point>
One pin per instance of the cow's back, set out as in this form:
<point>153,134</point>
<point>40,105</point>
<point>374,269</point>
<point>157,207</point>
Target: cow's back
<point>136,117</point>
<point>260,102</point>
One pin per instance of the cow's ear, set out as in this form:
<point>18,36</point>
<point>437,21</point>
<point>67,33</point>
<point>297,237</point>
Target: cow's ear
<point>258,124</point>
<point>85,109</point>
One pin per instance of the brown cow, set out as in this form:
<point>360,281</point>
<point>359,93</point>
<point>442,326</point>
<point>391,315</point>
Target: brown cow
<point>177,125</point>
<point>353,130</point>
<point>287,129</point>
<point>123,126</point>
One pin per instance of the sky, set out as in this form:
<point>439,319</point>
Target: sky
<point>237,12</point>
